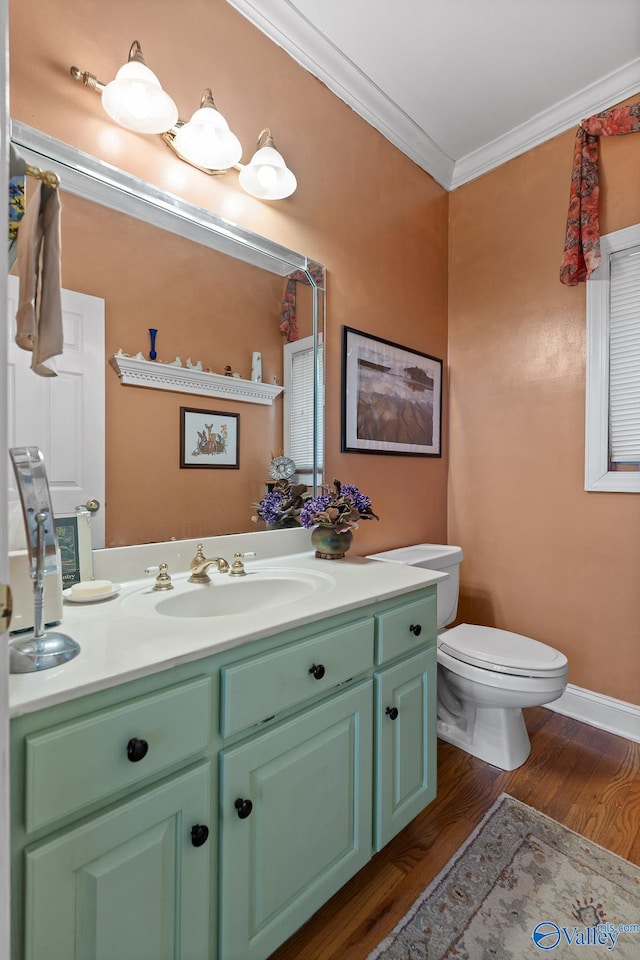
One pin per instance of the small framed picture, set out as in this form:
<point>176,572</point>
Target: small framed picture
<point>391,398</point>
<point>74,540</point>
<point>209,438</point>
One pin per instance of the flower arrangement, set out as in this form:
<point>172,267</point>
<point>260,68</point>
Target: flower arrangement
<point>282,506</point>
<point>341,508</point>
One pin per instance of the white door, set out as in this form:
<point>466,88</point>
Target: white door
<point>63,415</point>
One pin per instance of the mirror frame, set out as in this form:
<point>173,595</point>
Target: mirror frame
<point>99,182</point>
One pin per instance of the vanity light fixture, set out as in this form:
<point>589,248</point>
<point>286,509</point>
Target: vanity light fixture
<point>135,98</point>
<point>136,101</point>
<point>206,141</point>
<point>267,176</point>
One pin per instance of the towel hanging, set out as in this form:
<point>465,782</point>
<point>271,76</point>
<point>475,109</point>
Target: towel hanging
<point>18,170</point>
<point>39,316</point>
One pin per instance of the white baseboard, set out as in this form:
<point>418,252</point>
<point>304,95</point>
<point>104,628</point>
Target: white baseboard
<point>607,713</point>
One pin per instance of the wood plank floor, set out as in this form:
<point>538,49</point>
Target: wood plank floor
<point>585,778</point>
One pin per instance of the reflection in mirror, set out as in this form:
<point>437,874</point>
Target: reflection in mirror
<point>38,649</point>
<point>162,269</point>
<point>35,498</point>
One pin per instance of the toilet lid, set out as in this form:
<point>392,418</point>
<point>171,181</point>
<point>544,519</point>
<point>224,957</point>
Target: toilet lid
<point>502,651</point>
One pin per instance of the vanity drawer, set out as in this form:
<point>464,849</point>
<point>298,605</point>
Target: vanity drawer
<point>86,760</point>
<point>405,628</point>
<point>257,689</point>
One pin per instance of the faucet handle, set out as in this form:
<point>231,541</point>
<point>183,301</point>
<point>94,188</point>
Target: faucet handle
<point>163,580</point>
<point>199,557</point>
<point>237,567</point>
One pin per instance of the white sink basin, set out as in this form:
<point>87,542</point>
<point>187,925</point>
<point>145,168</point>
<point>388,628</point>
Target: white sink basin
<point>229,596</point>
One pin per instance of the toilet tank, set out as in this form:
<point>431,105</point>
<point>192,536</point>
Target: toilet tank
<point>433,556</point>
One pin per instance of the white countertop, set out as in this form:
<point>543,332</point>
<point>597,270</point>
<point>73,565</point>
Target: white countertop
<point>120,642</point>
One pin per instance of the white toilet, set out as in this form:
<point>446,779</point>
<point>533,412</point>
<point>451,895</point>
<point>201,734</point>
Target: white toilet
<point>485,675</point>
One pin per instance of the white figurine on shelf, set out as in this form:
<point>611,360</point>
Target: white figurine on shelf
<point>139,355</point>
<point>194,366</point>
<point>174,363</point>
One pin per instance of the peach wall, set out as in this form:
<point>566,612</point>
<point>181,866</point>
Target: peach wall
<point>542,556</point>
<point>376,220</point>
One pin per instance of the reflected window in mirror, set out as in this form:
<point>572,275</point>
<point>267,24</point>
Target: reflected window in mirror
<point>304,399</point>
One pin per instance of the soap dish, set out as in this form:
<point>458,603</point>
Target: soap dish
<point>96,599</point>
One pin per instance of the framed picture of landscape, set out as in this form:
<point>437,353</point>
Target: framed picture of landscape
<point>391,398</point>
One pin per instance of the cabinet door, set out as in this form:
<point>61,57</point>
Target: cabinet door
<point>127,884</point>
<point>405,743</point>
<point>309,829</point>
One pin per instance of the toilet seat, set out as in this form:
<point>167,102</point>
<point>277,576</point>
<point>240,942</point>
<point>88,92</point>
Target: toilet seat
<point>501,651</point>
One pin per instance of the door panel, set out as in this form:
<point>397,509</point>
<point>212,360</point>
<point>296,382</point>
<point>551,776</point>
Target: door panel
<point>127,884</point>
<point>64,415</point>
<point>406,744</point>
<point>309,831</point>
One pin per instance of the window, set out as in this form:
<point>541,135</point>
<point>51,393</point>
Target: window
<point>612,441</point>
<point>300,386</point>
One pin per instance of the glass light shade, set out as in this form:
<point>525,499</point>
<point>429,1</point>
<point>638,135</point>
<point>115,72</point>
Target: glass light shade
<point>136,100</point>
<point>267,176</point>
<point>206,141</point>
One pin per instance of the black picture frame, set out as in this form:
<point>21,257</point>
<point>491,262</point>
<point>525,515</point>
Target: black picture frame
<point>209,439</point>
<point>391,398</point>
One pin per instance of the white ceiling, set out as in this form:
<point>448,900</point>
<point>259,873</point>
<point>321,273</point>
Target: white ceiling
<point>461,86</point>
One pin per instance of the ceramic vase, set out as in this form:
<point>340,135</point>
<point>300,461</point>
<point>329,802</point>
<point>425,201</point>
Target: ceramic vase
<point>330,545</point>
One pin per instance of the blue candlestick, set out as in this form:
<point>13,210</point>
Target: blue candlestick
<point>152,352</point>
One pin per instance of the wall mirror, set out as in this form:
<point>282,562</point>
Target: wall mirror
<point>214,292</point>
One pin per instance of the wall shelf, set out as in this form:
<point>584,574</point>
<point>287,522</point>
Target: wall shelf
<point>162,376</point>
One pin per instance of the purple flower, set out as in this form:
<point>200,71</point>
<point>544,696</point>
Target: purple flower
<point>271,507</point>
<point>282,505</point>
<point>361,501</point>
<point>312,508</point>
<point>342,509</point>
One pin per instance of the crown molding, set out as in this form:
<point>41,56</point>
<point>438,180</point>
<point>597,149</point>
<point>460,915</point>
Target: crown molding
<point>598,96</point>
<point>286,26</point>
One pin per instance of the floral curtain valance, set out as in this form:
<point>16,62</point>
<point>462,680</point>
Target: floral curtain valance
<point>582,242</point>
<point>288,321</point>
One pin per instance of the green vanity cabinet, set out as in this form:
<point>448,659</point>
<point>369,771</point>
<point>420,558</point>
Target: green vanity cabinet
<point>205,811</point>
<point>112,801</point>
<point>406,701</point>
<point>405,756</point>
<point>127,884</point>
<point>295,808</point>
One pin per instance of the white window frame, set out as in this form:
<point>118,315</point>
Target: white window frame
<point>598,477</point>
<point>305,474</point>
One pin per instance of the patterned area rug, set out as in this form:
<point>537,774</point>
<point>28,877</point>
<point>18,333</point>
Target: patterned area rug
<point>523,886</point>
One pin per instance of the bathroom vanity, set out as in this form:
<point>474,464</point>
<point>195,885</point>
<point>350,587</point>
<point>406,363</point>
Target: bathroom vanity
<point>195,787</point>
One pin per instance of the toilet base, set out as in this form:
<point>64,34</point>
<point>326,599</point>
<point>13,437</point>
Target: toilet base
<point>497,735</point>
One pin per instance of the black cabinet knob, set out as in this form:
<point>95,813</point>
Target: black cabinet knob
<point>137,749</point>
<point>199,834</point>
<point>244,808</point>
<point>317,670</point>
<point>392,713</point>
<point>416,629</point>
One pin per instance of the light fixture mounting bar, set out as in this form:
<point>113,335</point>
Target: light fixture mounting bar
<point>88,79</point>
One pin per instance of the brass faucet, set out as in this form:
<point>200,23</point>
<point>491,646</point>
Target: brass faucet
<point>200,564</point>
<point>163,580</point>
<point>237,567</point>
